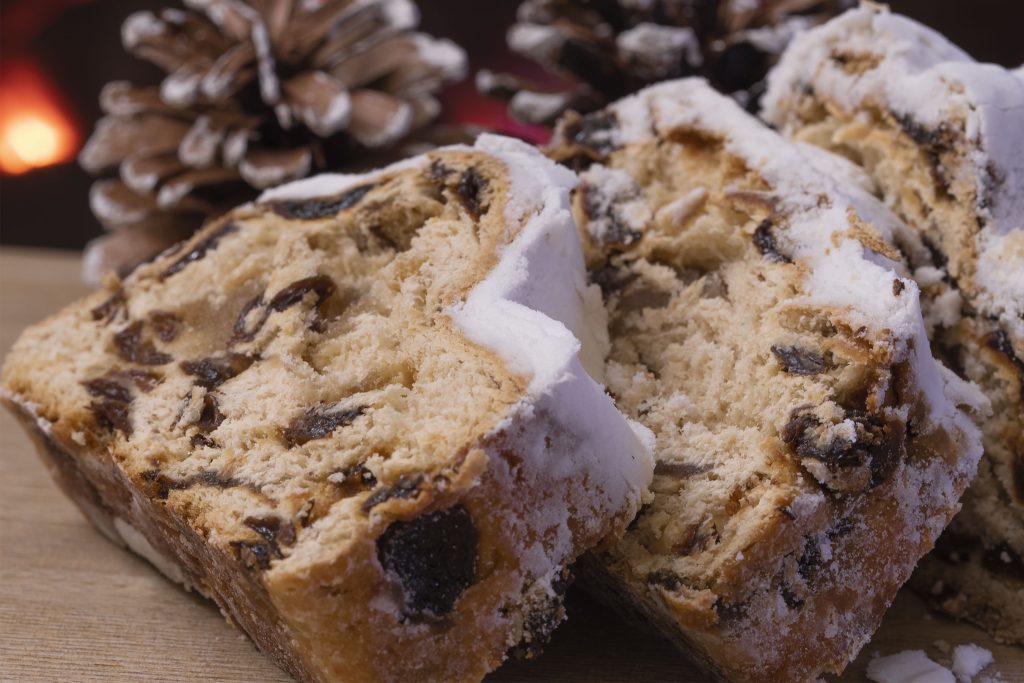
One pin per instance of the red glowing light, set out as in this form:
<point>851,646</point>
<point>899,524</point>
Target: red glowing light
<point>35,128</point>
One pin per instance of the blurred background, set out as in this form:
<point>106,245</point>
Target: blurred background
<point>56,55</point>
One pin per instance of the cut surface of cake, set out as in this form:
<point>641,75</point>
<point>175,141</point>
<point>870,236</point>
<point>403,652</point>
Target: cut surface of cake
<point>942,138</point>
<point>809,448</point>
<point>353,414</point>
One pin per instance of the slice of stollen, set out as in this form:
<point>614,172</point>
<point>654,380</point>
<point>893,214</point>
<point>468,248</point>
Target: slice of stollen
<point>942,137</point>
<point>353,414</point>
<point>809,448</point>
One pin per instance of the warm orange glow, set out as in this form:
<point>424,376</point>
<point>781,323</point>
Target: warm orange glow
<point>35,131</point>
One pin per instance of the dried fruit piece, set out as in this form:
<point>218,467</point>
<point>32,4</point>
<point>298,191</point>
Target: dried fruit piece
<point>166,325</point>
<point>406,486</point>
<point>250,320</point>
<point>319,422</point>
<point>132,347</point>
<point>311,209</point>
<point>799,361</point>
<point>111,308</point>
<point>198,251</point>
<point>433,557</point>
<point>212,372</point>
<point>322,285</point>
<point>472,189</point>
<point>764,239</point>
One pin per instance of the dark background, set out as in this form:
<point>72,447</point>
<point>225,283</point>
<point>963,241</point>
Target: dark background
<point>76,45</point>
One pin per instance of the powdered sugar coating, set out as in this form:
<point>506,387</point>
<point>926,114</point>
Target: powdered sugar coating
<point>537,312</point>
<point>909,666</point>
<point>842,271</point>
<point>919,75</point>
<point>969,661</point>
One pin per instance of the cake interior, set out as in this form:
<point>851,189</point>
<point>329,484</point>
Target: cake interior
<point>759,401</point>
<point>291,357</point>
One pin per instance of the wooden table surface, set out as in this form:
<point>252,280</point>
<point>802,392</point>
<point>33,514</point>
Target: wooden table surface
<point>75,608</point>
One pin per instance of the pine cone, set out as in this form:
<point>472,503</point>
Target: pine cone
<point>257,93</point>
<point>607,49</point>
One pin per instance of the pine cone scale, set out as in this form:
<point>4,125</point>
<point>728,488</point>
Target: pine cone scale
<point>263,168</point>
<point>320,101</point>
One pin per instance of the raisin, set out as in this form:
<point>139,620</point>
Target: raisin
<point>166,325</point>
<point>438,172</point>
<point>108,389</point>
<point>144,380</point>
<point>245,330</point>
<point>353,480</point>
<point>311,209</point>
<point>322,285</point>
<point>212,372</point>
<point>433,557</point>
<point>789,596</point>
<point>938,140</point>
<point>879,443</point>
<point>112,411</point>
<point>317,423</point>
<point>897,287</point>
<point>274,531</point>
<point>199,250</point>
<point>112,415</point>
<point>133,348</point>
<point>111,308</point>
<point>764,240</point>
<point>161,485</point>
<point>810,560</point>
<point>799,361</point>
<point>472,189</point>
<point>607,213</point>
<point>407,486</point>
<point>210,416</point>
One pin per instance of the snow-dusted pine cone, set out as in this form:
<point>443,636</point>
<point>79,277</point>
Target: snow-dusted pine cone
<point>257,92</point>
<point>609,48</point>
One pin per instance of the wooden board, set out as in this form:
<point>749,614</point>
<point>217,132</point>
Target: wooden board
<point>75,608</point>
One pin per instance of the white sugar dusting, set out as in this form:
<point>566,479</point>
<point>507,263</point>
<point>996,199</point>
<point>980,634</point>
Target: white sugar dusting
<point>922,78</point>
<point>910,666</point>
<point>969,661</point>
